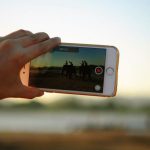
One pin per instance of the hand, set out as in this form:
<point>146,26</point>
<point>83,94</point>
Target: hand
<point>17,49</point>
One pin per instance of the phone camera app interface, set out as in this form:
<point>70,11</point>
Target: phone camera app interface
<point>70,68</point>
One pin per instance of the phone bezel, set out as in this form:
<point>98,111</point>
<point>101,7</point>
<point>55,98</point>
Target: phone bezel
<point>110,82</point>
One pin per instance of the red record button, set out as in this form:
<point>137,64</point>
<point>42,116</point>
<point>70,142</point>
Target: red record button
<point>98,70</point>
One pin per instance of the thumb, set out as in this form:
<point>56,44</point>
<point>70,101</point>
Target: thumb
<point>29,92</point>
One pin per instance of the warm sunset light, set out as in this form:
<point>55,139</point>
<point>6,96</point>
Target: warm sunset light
<point>124,24</point>
<point>66,121</point>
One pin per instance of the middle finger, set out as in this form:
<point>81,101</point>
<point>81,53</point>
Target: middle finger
<point>33,39</point>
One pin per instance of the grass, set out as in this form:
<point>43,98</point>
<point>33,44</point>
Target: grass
<point>103,140</point>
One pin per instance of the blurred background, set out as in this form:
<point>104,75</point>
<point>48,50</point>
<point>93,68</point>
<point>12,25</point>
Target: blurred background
<point>59,121</point>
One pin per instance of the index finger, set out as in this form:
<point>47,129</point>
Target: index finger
<point>40,48</point>
<point>16,35</point>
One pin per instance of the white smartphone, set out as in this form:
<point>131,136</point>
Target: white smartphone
<point>72,68</point>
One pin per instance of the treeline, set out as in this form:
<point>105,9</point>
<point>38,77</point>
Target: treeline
<point>72,104</point>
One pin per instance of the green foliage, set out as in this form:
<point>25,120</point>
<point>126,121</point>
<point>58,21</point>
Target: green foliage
<point>111,104</point>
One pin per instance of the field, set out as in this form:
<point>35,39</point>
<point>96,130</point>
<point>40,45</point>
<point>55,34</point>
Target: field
<point>53,78</point>
<point>103,140</point>
<point>70,124</point>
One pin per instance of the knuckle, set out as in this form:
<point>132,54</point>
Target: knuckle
<point>44,34</point>
<point>39,37</point>
<point>22,31</point>
<point>34,38</point>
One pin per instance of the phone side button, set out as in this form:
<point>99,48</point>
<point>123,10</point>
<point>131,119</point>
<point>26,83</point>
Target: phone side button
<point>110,71</point>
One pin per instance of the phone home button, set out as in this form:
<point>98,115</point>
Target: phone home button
<point>110,71</point>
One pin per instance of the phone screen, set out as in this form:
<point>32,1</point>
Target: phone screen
<point>70,68</point>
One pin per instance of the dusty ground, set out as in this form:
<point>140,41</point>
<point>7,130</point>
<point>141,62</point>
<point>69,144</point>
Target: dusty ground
<point>105,140</point>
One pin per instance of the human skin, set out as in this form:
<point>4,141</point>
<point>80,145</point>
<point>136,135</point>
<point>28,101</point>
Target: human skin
<point>17,49</point>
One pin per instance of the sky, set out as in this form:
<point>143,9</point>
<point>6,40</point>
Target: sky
<point>58,58</point>
<point>122,23</point>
